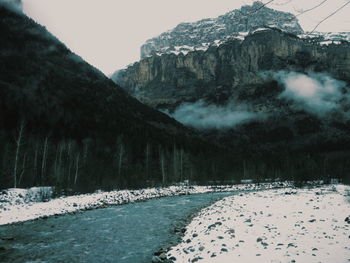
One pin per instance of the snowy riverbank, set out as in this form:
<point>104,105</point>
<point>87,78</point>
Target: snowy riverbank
<point>283,225</point>
<point>17,205</point>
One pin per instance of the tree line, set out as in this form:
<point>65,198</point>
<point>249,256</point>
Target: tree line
<point>88,164</point>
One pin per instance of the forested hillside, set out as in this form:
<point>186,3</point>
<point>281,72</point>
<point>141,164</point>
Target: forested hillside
<point>64,123</point>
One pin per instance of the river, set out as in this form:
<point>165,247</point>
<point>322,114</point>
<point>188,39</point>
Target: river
<point>123,234</point>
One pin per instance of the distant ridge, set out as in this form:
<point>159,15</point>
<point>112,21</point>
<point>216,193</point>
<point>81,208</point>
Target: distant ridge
<point>213,31</point>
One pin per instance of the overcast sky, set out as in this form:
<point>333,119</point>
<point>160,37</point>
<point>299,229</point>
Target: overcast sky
<point>109,33</point>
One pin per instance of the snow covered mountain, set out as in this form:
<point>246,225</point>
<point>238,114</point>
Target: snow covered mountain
<point>236,24</point>
<point>213,31</point>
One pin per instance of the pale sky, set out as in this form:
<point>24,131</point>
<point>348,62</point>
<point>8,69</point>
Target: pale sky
<point>109,33</point>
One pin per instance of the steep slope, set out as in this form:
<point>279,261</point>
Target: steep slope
<point>64,123</point>
<point>213,31</point>
<point>39,73</point>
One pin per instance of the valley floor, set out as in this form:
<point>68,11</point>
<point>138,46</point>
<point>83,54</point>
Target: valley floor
<point>283,225</point>
<point>18,205</point>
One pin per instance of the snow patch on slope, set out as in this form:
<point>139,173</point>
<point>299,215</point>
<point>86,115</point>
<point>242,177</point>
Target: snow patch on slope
<point>327,38</point>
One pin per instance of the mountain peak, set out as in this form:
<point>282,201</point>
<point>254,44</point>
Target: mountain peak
<point>237,23</point>
<point>14,4</point>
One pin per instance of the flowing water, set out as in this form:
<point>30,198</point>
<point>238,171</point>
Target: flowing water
<point>124,234</point>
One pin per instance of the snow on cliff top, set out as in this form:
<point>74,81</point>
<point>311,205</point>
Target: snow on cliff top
<point>229,25</point>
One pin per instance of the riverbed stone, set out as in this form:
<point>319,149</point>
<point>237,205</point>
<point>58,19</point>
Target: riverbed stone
<point>162,256</point>
<point>347,220</point>
<point>159,252</point>
<point>156,259</point>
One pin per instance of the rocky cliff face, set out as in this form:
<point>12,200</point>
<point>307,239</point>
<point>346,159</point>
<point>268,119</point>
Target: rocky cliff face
<point>271,90</point>
<point>230,71</point>
<point>249,88</point>
<point>233,25</point>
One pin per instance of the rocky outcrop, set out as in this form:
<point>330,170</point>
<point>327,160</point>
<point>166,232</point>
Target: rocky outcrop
<point>230,71</point>
<point>235,24</point>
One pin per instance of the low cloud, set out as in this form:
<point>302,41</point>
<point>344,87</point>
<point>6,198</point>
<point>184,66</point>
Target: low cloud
<point>316,93</point>
<point>205,116</point>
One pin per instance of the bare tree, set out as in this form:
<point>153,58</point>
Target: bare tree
<point>162,164</point>
<point>55,165</point>
<point>18,142</point>
<point>175,161</point>
<point>120,154</point>
<point>4,159</point>
<point>181,165</point>
<point>43,162</point>
<point>76,168</point>
<point>148,150</point>
<point>59,162</point>
<point>35,165</point>
<point>69,161</point>
<point>86,150</point>
<point>23,168</point>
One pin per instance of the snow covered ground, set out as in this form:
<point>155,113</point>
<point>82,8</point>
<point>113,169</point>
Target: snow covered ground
<point>17,205</point>
<point>283,225</point>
